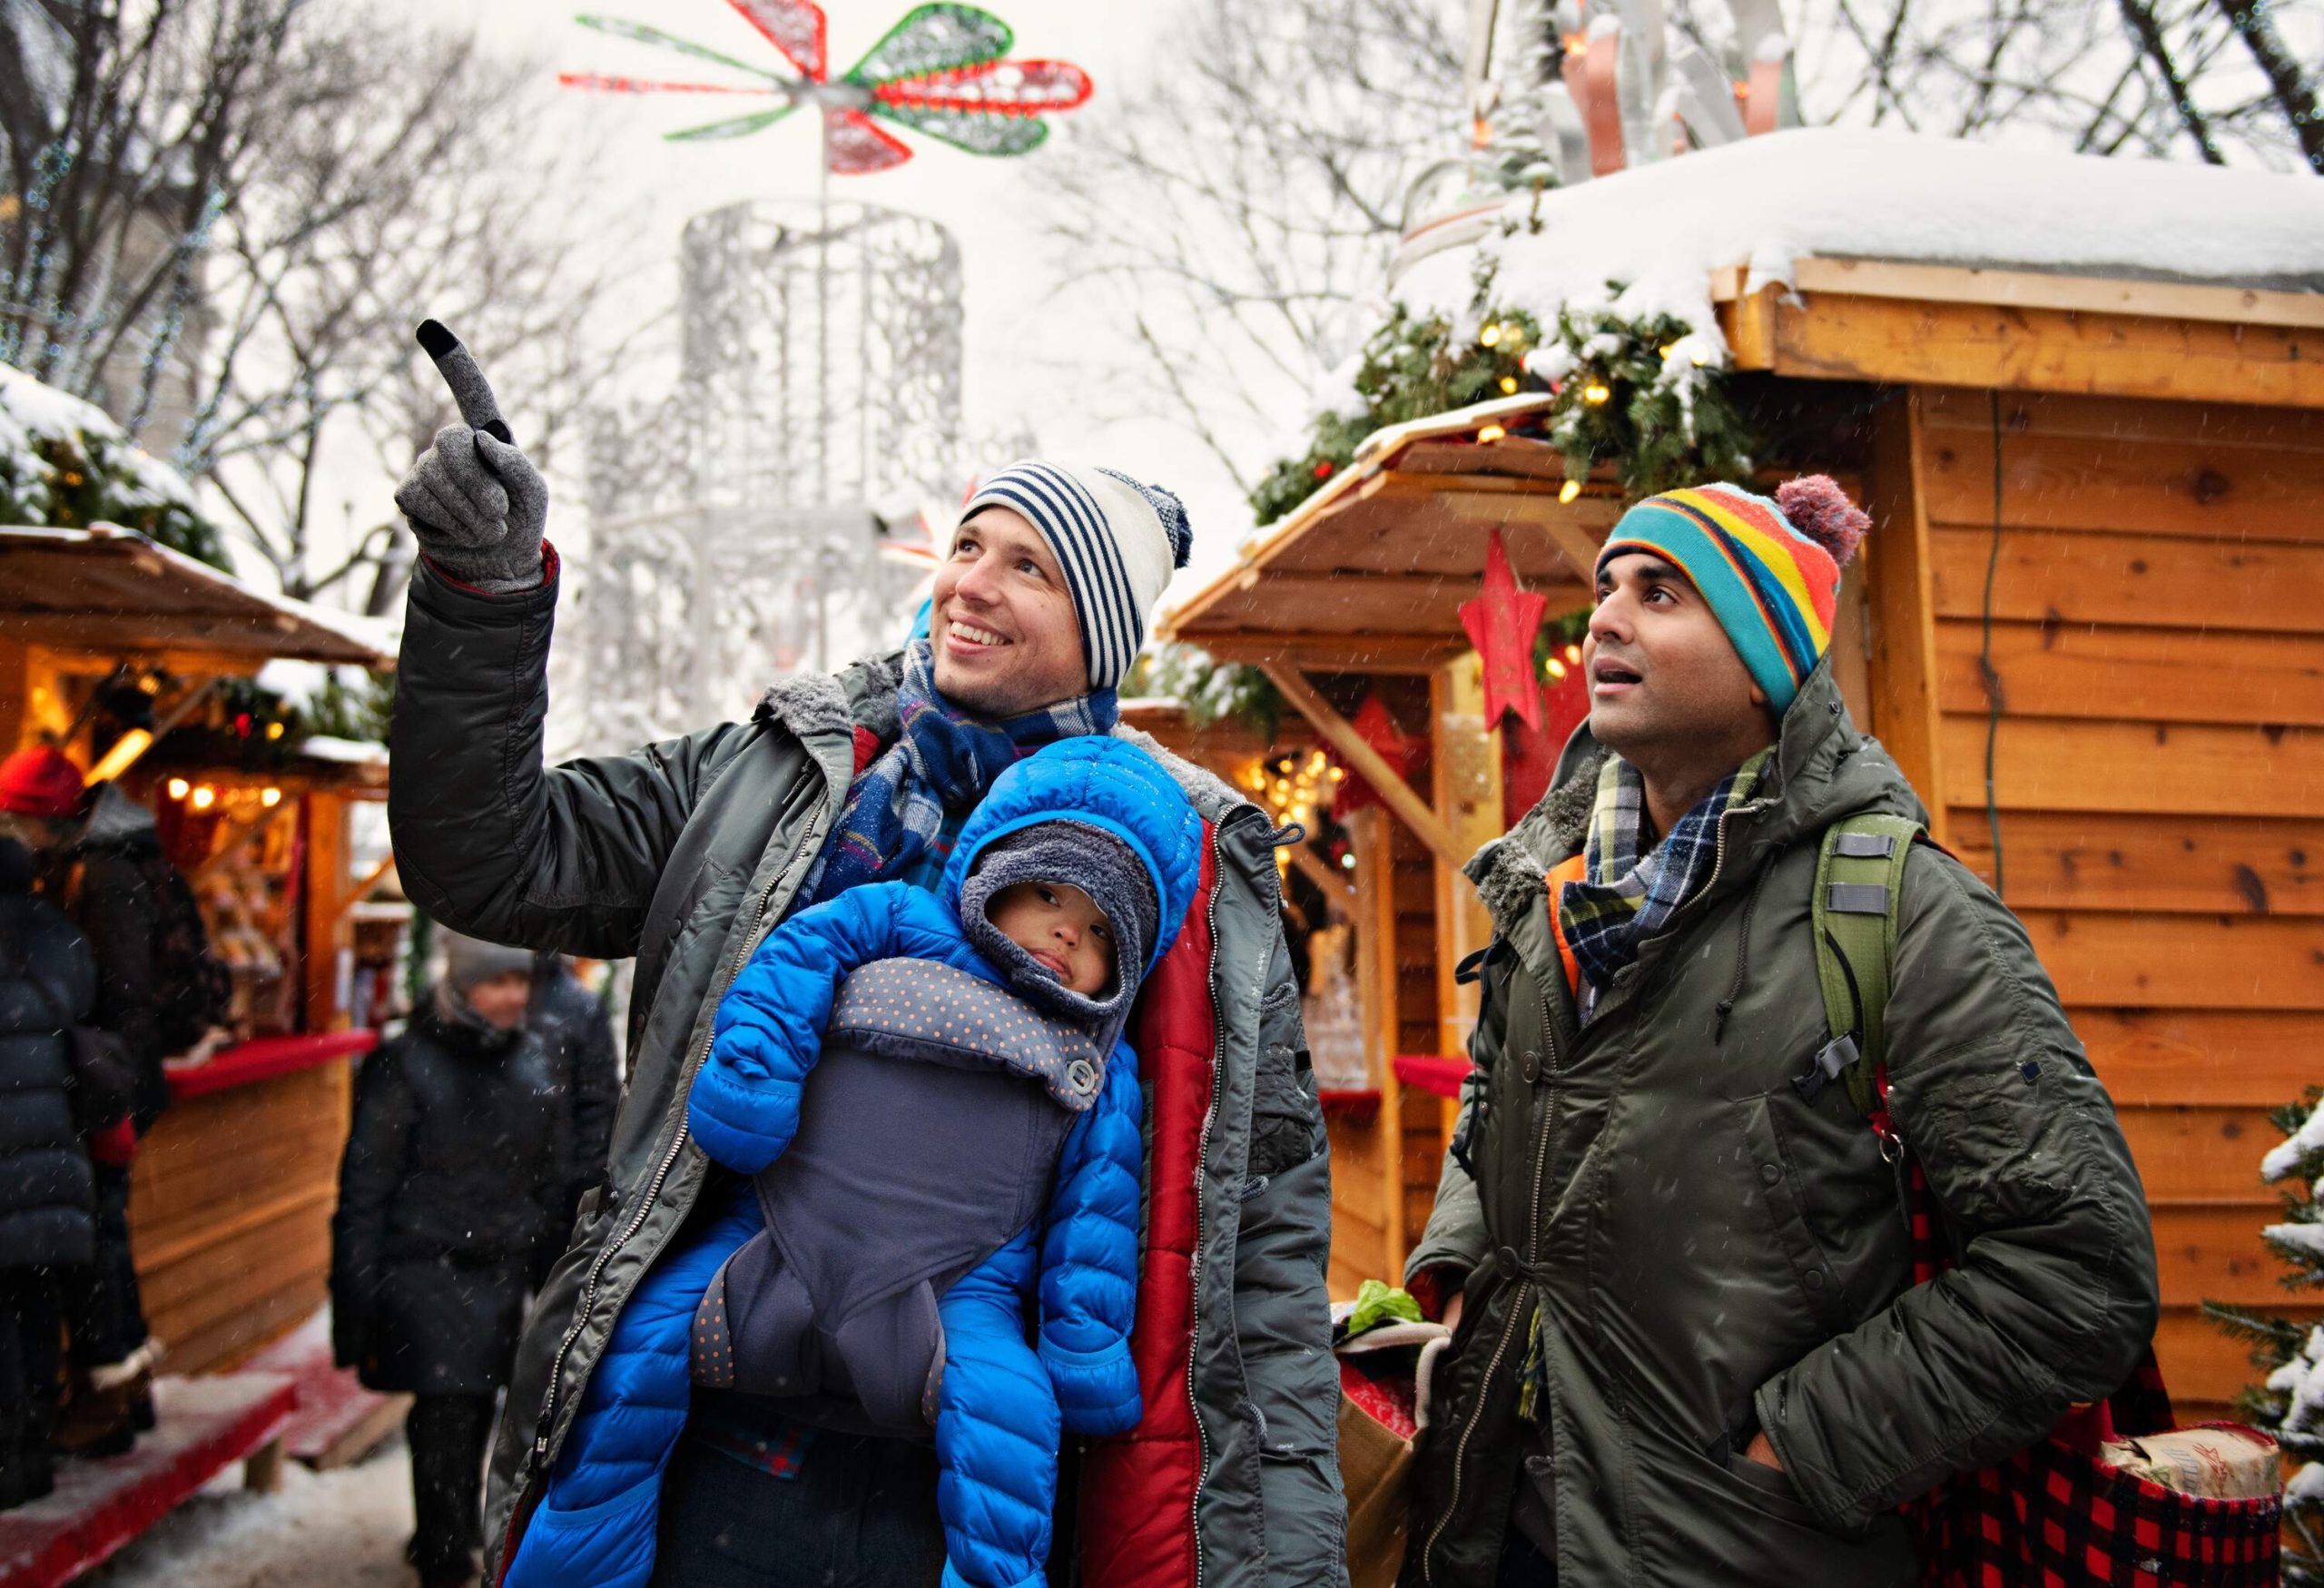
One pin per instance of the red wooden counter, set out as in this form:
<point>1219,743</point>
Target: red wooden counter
<point>232,1194</point>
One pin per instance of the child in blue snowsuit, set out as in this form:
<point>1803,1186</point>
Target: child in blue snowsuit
<point>971,1143</point>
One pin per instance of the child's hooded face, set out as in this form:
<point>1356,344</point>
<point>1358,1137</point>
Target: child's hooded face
<point>1060,926</point>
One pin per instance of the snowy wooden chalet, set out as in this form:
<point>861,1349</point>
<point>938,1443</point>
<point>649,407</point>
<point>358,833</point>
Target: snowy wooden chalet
<point>231,1193</point>
<point>2085,402</point>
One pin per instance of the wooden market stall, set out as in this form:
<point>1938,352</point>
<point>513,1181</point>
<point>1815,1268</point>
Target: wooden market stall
<point>231,1192</point>
<point>2097,564</point>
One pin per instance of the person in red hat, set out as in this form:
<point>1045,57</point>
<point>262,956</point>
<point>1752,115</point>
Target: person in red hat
<point>42,784</point>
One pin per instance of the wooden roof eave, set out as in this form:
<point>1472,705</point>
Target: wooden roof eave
<point>109,589</point>
<point>1374,469</point>
<point>1902,323</point>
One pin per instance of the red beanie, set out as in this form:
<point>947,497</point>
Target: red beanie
<point>40,782</point>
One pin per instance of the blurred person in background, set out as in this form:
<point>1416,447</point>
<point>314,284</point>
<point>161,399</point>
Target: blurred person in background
<point>577,1034</point>
<point>103,860</point>
<point>452,1200</point>
<point>47,1194</point>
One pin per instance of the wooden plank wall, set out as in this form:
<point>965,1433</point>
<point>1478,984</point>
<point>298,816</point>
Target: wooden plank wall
<point>2158,647</point>
<point>230,1205</point>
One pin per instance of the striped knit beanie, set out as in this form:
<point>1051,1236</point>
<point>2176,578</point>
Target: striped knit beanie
<point>1117,540</point>
<point>1770,569</point>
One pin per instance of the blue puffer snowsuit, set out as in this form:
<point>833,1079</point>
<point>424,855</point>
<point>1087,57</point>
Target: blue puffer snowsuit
<point>1001,1404</point>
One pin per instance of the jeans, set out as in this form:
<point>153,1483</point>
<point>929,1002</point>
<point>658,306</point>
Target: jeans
<point>448,1434</point>
<point>860,1514</point>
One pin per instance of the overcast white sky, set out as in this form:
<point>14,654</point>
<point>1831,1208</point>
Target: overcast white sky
<point>1010,268</point>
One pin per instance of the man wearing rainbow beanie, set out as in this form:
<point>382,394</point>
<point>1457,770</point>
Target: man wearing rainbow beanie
<point>1688,1347</point>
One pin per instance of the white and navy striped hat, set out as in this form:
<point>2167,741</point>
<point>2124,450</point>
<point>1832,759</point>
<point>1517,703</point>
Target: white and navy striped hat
<point>1117,540</point>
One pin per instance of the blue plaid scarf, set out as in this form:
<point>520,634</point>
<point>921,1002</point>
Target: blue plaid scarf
<point>944,759</point>
<point>1626,897</point>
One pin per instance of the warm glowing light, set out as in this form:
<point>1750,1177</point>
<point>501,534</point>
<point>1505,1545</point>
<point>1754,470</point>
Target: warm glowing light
<point>1667,349</point>
<point>1574,655</point>
<point>1595,394</point>
<point>1299,813</point>
<point>1491,433</point>
<point>1509,385</point>
<point>1348,862</point>
<point>205,797</point>
<point>1317,763</point>
<point>1489,336</point>
<point>274,730</point>
<point>269,798</point>
<point>1700,359</point>
<point>1338,774</point>
<point>1557,668</point>
<point>1568,491</point>
<point>133,743</point>
<point>179,788</point>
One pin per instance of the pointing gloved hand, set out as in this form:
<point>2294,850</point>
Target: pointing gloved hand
<point>476,503</point>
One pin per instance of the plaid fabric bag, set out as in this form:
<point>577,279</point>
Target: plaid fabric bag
<point>2056,1514</point>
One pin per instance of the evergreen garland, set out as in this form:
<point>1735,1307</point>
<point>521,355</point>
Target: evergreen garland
<point>1212,691</point>
<point>2290,1402</point>
<point>63,475</point>
<point>1646,393</point>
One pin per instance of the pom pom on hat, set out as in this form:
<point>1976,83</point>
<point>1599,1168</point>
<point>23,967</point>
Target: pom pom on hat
<point>1816,507</point>
<point>1170,510</point>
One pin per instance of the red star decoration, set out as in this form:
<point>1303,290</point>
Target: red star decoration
<point>1502,623</point>
<point>1378,729</point>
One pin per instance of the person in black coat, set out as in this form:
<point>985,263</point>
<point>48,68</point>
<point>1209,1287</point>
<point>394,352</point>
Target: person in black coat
<point>579,1035</point>
<point>451,1202</point>
<point>47,1194</point>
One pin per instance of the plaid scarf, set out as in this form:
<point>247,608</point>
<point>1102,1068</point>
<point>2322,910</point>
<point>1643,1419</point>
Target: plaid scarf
<point>1628,897</point>
<point>944,758</point>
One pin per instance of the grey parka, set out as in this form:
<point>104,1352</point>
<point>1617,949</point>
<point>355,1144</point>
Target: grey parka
<point>1713,1253</point>
<point>685,855</point>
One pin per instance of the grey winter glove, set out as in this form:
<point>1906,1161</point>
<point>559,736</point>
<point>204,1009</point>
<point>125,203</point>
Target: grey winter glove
<point>476,503</point>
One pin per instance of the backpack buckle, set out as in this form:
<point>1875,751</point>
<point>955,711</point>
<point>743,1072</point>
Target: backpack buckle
<point>1831,1059</point>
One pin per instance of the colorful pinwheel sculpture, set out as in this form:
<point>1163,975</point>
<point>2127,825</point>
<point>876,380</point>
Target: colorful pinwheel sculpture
<point>939,72</point>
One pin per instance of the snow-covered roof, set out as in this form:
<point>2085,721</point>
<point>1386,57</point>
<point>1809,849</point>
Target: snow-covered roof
<point>29,409</point>
<point>344,752</point>
<point>1662,230</point>
<point>112,586</point>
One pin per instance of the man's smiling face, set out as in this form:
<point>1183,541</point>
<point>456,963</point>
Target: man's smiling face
<point>1002,625</point>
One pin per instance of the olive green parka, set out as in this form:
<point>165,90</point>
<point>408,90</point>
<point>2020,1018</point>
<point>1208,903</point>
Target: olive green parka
<point>1711,1252</point>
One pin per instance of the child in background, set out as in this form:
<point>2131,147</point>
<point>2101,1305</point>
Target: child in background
<point>970,1143</point>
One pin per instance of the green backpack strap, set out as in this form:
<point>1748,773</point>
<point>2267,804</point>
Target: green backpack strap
<point>1859,881</point>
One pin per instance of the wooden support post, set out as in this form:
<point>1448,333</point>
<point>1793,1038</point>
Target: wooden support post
<point>1466,766</point>
<point>1375,958</point>
<point>1899,605</point>
<point>263,1468</point>
<point>326,884</point>
<point>1409,807</point>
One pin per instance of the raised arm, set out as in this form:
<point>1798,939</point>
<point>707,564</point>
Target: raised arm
<point>743,1107</point>
<point>487,841</point>
<point>1090,1258</point>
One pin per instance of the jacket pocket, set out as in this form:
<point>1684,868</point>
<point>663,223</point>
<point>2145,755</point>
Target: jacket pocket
<point>1770,1489</point>
<point>1771,1165</point>
<point>1287,1119</point>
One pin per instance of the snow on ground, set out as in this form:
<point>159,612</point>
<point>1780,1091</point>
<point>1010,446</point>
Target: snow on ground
<point>343,1529</point>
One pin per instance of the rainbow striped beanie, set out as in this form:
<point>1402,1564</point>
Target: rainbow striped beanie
<point>1770,569</point>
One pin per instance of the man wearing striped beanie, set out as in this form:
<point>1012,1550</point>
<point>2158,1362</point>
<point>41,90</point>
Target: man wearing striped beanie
<point>685,852</point>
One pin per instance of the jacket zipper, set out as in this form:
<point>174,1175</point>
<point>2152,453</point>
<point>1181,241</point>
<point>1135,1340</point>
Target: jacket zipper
<point>727,974</point>
<point>1533,1229</point>
<point>1202,1152</point>
<point>1517,1310</point>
